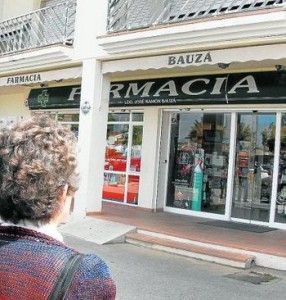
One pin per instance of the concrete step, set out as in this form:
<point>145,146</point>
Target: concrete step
<point>202,252</point>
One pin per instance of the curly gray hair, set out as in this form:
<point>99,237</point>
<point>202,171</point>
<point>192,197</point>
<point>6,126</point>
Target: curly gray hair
<point>37,160</point>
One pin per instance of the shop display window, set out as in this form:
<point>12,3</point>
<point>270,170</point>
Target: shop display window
<point>137,117</point>
<point>123,157</point>
<point>114,186</point>
<point>280,211</point>
<point>118,117</point>
<point>198,162</point>
<point>133,189</point>
<point>135,155</point>
<point>116,147</point>
<point>68,117</point>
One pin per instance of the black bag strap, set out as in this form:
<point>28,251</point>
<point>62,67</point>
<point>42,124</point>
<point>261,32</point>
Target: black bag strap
<point>66,277</point>
<point>5,240</point>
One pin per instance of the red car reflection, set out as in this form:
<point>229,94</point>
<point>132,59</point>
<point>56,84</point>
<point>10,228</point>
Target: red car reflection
<point>117,162</point>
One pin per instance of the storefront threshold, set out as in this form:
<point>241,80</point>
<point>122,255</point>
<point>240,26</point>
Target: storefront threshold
<point>195,213</point>
<point>128,206</point>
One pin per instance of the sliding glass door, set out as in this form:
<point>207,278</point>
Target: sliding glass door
<point>255,138</point>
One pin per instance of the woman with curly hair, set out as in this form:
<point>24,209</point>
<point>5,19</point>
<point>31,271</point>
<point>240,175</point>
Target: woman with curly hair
<point>38,179</point>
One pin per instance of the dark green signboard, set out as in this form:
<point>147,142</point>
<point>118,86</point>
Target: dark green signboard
<point>56,97</point>
<point>266,87</point>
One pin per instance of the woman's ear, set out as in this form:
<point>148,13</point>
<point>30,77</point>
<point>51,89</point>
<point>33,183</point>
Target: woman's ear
<point>62,213</point>
<point>63,193</point>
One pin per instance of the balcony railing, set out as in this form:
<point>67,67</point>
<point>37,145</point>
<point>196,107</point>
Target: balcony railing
<point>126,15</point>
<point>44,27</point>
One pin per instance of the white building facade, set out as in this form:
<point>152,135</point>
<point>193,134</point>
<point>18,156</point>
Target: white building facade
<point>178,105</point>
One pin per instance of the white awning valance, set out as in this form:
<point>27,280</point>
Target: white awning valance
<point>37,77</point>
<point>212,58</point>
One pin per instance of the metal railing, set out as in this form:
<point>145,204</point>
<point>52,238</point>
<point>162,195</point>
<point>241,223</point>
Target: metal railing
<point>134,14</point>
<point>44,27</point>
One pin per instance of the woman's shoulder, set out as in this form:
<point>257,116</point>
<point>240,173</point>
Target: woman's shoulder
<point>94,265</point>
<point>93,278</point>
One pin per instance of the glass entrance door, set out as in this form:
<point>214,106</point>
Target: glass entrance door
<point>253,166</point>
<point>198,161</point>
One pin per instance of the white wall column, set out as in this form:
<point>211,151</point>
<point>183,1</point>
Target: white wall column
<point>91,20</point>
<point>150,157</point>
<point>92,139</point>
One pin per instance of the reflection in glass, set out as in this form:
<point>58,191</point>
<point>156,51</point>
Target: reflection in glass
<point>135,159</point>
<point>116,148</point>
<point>118,117</point>
<point>133,189</point>
<point>123,157</point>
<point>114,186</point>
<point>68,117</point>
<point>198,161</point>
<point>280,212</point>
<point>137,117</point>
<point>254,166</point>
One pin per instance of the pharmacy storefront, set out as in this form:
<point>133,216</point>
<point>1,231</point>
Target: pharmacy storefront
<point>221,145</point>
<point>62,103</point>
<point>56,91</point>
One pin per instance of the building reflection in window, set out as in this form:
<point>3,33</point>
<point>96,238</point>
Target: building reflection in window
<point>123,157</point>
<point>198,162</point>
<point>280,212</point>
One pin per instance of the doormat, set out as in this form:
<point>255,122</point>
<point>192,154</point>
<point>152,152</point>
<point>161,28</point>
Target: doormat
<point>238,226</point>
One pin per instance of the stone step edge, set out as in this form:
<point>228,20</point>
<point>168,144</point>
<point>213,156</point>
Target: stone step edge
<point>262,259</point>
<point>238,260</point>
<point>196,242</point>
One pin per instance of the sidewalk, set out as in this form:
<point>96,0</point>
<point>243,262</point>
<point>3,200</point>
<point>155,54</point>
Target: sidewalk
<point>269,247</point>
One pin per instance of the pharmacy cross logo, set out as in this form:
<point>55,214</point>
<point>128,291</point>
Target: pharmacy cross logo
<point>43,98</point>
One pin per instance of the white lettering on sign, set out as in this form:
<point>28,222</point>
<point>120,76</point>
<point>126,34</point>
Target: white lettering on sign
<point>249,83</point>
<point>74,92</point>
<point>170,89</point>
<point>134,88</point>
